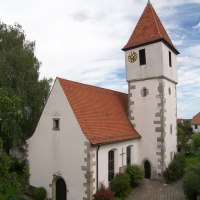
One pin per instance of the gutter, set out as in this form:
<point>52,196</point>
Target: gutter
<point>97,167</point>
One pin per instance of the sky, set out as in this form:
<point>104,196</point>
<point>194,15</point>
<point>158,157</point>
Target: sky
<point>81,40</point>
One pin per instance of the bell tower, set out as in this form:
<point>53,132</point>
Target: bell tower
<point>151,73</point>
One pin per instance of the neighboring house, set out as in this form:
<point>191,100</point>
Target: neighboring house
<point>87,134</point>
<point>180,121</point>
<point>195,123</point>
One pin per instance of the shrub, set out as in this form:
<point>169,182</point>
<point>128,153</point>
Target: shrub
<point>175,169</point>
<point>17,166</point>
<point>136,174</point>
<point>40,193</point>
<point>120,185</point>
<point>196,142</point>
<point>104,193</point>
<point>191,183</point>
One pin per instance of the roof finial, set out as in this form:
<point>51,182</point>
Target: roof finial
<point>149,2</point>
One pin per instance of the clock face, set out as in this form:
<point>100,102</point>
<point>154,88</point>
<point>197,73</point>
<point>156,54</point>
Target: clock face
<point>132,57</point>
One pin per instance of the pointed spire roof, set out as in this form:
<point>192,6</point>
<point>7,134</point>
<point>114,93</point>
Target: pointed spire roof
<point>149,29</point>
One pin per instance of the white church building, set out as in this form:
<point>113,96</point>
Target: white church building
<point>87,134</point>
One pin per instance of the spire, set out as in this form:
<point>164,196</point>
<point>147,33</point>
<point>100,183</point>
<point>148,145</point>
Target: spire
<point>149,29</point>
<point>149,2</point>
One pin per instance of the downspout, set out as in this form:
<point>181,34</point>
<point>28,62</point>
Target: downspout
<point>97,167</point>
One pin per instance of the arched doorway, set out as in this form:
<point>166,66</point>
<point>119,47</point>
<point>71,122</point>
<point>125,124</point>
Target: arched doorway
<point>147,169</point>
<point>61,189</point>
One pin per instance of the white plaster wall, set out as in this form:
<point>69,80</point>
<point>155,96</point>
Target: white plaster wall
<point>103,157</point>
<point>171,117</point>
<point>157,63</point>
<point>169,72</point>
<point>144,111</point>
<point>196,130</point>
<point>52,152</point>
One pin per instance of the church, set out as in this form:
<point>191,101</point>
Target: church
<point>87,134</point>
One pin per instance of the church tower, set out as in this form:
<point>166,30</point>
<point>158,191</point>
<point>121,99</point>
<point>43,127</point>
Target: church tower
<point>151,74</point>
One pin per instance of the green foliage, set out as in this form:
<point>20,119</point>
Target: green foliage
<point>191,161</point>
<point>5,163</point>
<point>196,142</point>
<point>184,134</point>
<point>175,169</point>
<point>9,179</point>
<point>191,182</point>
<point>40,193</point>
<point>136,174</point>
<point>104,193</point>
<point>19,76</point>
<point>10,120</point>
<point>18,166</point>
<point>120,185</point>
<point>118,198</point>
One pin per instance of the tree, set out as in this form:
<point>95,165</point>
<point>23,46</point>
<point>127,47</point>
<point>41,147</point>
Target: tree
<point>19,75</point>
<point>10,121</point>
<point>184,135</point>
<point>5,164</point>
<point>196,142</point>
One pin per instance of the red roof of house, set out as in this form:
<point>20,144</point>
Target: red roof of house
<point>196,119</point>
<point>179,120</point>
<point>149,29</point>
<point>101,113</point>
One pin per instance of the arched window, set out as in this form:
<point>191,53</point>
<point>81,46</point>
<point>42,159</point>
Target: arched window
<point>111,165</point>
<point>128,155</point>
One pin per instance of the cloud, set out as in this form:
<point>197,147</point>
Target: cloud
<point>197,27</point>
<point>82,40</point>
<point>81,16</point>
<point>189,82</point>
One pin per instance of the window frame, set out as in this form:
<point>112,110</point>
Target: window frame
<point>170,59</point>
<point>144,92</point>
<point>171,129</point>
<point>128,155</point>
<point>142,57</point>
<point>170,91</point>
<point>56,124</point>
<point>111,165</point>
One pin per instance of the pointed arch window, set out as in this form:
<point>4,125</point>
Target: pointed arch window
<point>111,165</point>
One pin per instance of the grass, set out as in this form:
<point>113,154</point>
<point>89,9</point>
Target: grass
<point>191,161</point>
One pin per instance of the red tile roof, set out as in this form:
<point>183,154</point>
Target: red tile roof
<point>179,120</point>
<point>196,119</point>
<point>149,29</point>
<point>101,113</point>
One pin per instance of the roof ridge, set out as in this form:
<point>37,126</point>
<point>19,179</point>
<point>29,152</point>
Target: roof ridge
<point>98,87</point>
<point>153,13</point>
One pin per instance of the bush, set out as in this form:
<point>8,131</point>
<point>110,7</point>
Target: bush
<point>104,193</point>
<point>136,174</point>
<point>191,182</point>
<point>17,166</point>
<point>175,169</point>
<point>196,142</point>
<point>40,193</point>
<point>120,185</point>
